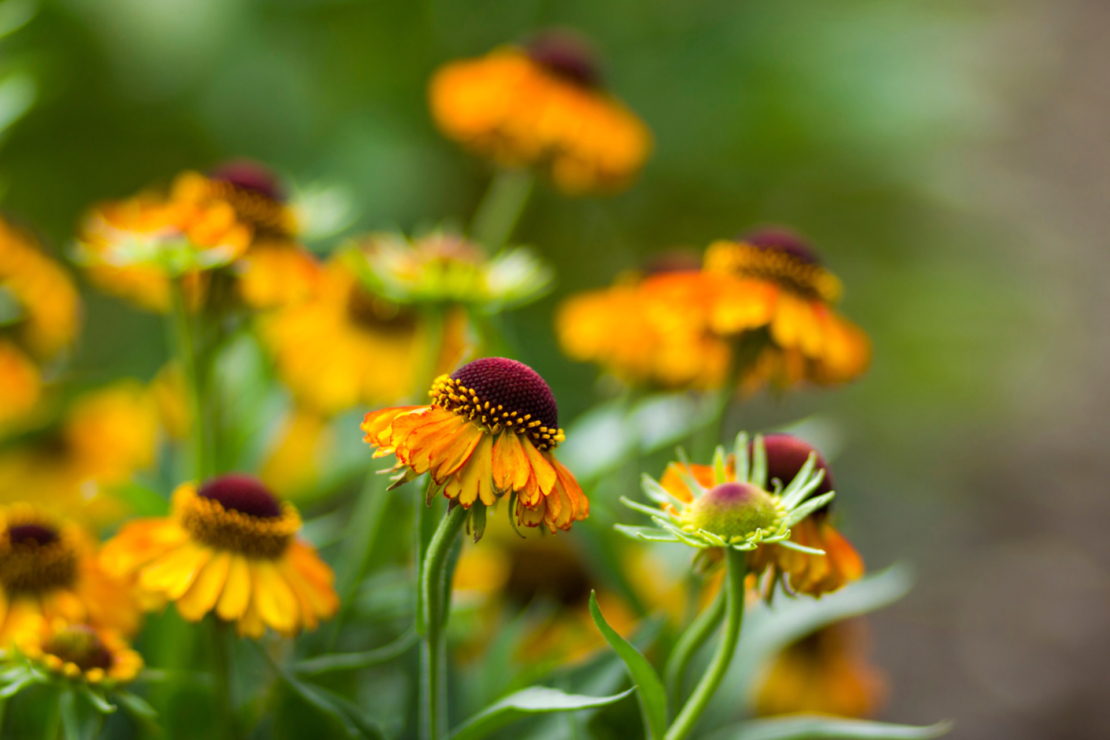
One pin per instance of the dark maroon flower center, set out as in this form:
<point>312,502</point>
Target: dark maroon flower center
<point>782,240</point>
<point>243,493</point>
<point>247,175</point>
<point>786,454</point>
<point>511,385</point>
<point>33,534</point>
<point>566,54</point>
<point>80,645</point>
<point>673,260</point>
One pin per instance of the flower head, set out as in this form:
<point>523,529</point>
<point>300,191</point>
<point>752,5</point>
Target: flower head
<point>348,346</point>
<point>446,268</point>
<point>80,652</point>
<point>826,672</point>
<point>542,106</point>
<point>490,431</point>
<point>48,570</point>
<point>731,504</point>
<point>230,547</point>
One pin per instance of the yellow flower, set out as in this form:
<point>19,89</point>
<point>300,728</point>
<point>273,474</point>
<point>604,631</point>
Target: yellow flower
<point>20,386</point>
<point>491,430</point>
<point>541,106</point>
<point>446,268</point>
<point>347,346</point>
<point>651,332</point>
<point>825,673</point>
<point>49,570</point>
<point>234,216</point>
<point>800,570</point>
<point>80,652</point>
<point>38,300</point>
<point>105,437</point>
<point>230,547</point>
<point>771,287</point>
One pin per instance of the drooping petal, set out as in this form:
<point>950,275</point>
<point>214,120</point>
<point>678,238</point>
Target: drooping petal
<point>173,573</point>
<point>510,463</point>
<point>236,594</point>
<point>206,589</point>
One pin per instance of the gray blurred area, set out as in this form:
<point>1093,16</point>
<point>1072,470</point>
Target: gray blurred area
<point>951,160</point>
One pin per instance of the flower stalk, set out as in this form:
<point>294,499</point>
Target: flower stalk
<point>700,630</point>
<point>433,685</point>
<point>501,208</point>
<point>734,616</point>
<point>185,346</point>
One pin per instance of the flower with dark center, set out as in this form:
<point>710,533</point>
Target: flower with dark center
<point>729,505</point>
<point>79,652</point>
<point>230,548</point>
<point>49,570</point>
<point>541,106</point>
<point>247,175</point>
<point>490,431</point>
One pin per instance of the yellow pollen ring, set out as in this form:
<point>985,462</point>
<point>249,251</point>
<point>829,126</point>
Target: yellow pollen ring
<point>208,522</point>
<point>782,268</point>
<point>33,568</point>
<point>452,395</point>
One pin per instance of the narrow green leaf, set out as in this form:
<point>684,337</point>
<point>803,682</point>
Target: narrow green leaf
<point>759,463</point>
<point>136,705</point>
<point>98,700</point>
<point>743,464</point>
<point>67,706</point>
<point>719,466</point>
<point>354,661</point>
<point>652,695</point>
<point>808,508</point>
<point>828,728</point>
<point>533,700</point>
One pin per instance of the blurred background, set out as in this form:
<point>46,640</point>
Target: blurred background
<point>948,159</point>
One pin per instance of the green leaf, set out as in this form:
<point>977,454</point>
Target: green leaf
<point>828,728</point>
<point>67,706</point>
<point>354,661</point>
<point>141,500</point>
<point>98,700</point>
<point>136,705</point>
<point>533,700</point>
<point>652,695</point>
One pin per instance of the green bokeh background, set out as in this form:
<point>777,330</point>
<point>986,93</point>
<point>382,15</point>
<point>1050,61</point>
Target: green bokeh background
<point>916,143</point>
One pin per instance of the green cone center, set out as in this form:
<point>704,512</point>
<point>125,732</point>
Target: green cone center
<point>734,510</point>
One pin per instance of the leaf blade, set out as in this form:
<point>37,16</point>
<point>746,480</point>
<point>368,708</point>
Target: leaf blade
<point>827,728</point>
<point>533,700</point>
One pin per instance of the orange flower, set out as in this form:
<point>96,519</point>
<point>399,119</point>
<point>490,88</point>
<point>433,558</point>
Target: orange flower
<point>230,547</point>
<point>491,430</point>
<point>20,386</point>
<point>48,570</point>
<point>97,656</point>
<point>826,672</point>
<point>542,106</point>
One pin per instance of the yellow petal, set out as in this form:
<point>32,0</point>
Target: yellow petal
<point>510,463</point>
<point>545,474</point>
<point>457,454</point>
<point>277,605</point>
<point>202,596</point>
<point>237,590</point>
<point>173,573</point>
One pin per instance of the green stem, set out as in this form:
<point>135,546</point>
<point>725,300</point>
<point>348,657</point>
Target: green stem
<point>433,684</point>
<point>501,208</point>
<point>734,617</point>
<point>365,526</point>
<point>221,681</point>
<point>67,710</point>
<point>185,347</point>
<point>690,642</point>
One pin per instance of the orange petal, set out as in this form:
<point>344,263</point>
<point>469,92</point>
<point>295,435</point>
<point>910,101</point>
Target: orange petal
<point>541,468</point>
<point>510,463</point>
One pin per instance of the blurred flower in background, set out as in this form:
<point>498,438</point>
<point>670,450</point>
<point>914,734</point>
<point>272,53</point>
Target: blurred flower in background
<point>80,652</point>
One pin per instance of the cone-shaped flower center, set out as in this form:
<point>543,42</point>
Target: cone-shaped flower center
<point>777,256</point>
<point>734,510</point>
<point>786,454</point>
<point>501,393</point>
<point>785,241</point>
<point>247,175</point>
<point>80,645</point>
<point>243,493</point>
<point>32,534</point>
<point>567,55</point>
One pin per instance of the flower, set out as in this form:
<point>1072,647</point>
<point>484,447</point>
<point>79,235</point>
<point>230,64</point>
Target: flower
<point>786,457</point>
<point>230,547</point>
<point>772,289</point>
<point>348,346</point>
<point>826,672</point>
<point>235,216</point>
<point>729,504</point>
<point>542,106</point>
<point>20,386</point>
<point>491,430</point>
<point>80,652</point>
<point>105,436</point>
<point>648,332</point>
<point>446,268</point>
<point>49,570</point>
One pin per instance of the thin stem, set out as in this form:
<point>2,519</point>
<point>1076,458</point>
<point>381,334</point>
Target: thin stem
<point>689,643</point>
<point>734,617</point>
<point>365,526</point>
<point>433,694</point>
<point>221,681</point>
<point>67,709</point>
<point>185,347</point>
<point>501,208</point>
